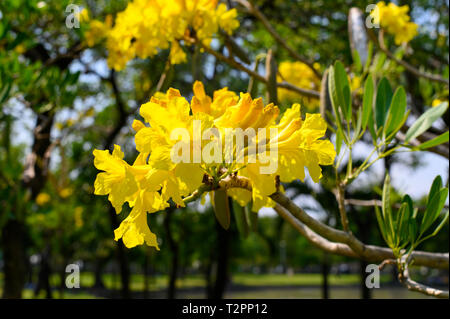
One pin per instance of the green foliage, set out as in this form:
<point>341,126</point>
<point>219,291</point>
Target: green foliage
<point>406,228</point>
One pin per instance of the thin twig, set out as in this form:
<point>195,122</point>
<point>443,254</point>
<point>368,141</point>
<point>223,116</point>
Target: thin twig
<point>407,66</point>
<point>233,63</point>
<point>258,14</point>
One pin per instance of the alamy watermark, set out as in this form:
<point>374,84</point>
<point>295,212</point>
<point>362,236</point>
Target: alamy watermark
<point>215,146</point>
<point>373,277</point>
<point>373,19</point>
<point>73,17</point>
<point>73,277</point>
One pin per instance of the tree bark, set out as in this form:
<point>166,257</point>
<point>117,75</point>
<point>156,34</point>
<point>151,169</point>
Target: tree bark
<point>44,275</point>
<point>325,272</point>
<point>122,259</point>
<point>222,276</point>
<point>15,259</point>
<point>174,264</point>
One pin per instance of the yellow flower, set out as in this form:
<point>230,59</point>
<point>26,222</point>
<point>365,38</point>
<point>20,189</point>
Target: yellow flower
<point>436,102</point>
<point>78,216</point>
<point>42,199</point>
<point>155,178</point>
<point>83,15</point>
<point>117,179</point>
<point>66,192</point>
<point>20,49</point>
<point>302,76</point>
<point>395,20</point>
<point>98,30</point>
<point>177,54</point>
<point>147,26</point>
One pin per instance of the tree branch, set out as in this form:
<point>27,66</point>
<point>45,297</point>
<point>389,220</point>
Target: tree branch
<point>259,15</point>
<point>360,250</point>
<point>233,63</point>
<point>407,66</point>
<point>412,285</point>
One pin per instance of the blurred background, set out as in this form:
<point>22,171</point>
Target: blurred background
<point>59,101</point>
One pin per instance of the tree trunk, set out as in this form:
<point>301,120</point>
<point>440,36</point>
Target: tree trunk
<point>222,276</point>
<point>122,258</point>
<point>98,270</point>
<point>325,272</point>
<point>15,259</point>
<point>366,293</point>
<point>173,245</point>
<point>14,231</point>
<point>44,275</point>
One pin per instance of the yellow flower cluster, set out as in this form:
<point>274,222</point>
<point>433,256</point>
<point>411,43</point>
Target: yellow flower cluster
<point>154,178</point>
<point>147,26</point>
<point>395,20</point>
<point>302,76</point>
<point>42,199</point>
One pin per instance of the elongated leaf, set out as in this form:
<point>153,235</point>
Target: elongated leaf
<point>409,210</point>
<point>343,90</point>
<point>335,100</point>
<point>252,218</point>
<point>441,224</point>
<point>382,102</point>
<point>358,124</point>
<point>367,101</point>
<point>221,208</point>
<point>441,139</point>
<point>386,208</point>
<point>435,187</point>
<point>382,226</point>
<point>396,111</point>
<point>241,219</point>
<point>434,208</point>
<point>425,121</point>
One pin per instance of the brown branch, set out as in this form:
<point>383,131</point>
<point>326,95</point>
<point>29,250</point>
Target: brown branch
<point>340,196</point>
<point>314,238</point>
<point>361,250</point>
<point>233,63</point>
<point>407,66</point>
<point>375,202</point>
<point>258,14</point>
<point>412,285</point>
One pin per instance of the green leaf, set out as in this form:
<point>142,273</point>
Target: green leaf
<point>435,187</point>
<point>425,121</point>
<point>386,206</point>
<point>335,101</point>
<point>441,224</point>
<point>441,139</point>
<point>367,101</point>
<point>358,125</point>
<point>382,102</point>
<point>369,56</point>
<point>221,208</point>
<point>241,219</point>
<point>252,218</point>
<point>382,225</point>
<point>406,218</point>
<point>357,61</point>
<point>396,111</point>
<point>433,210</point>
<point>338,141</point>
<point>343,90</point>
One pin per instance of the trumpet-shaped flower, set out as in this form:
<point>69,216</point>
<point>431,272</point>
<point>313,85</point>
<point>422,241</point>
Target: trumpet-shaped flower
<point>302,76</point>
<point>172,126</point>
<point>147,26</point>
<point>395,20</point>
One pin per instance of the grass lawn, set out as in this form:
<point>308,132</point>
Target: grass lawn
<point>342,286</point>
